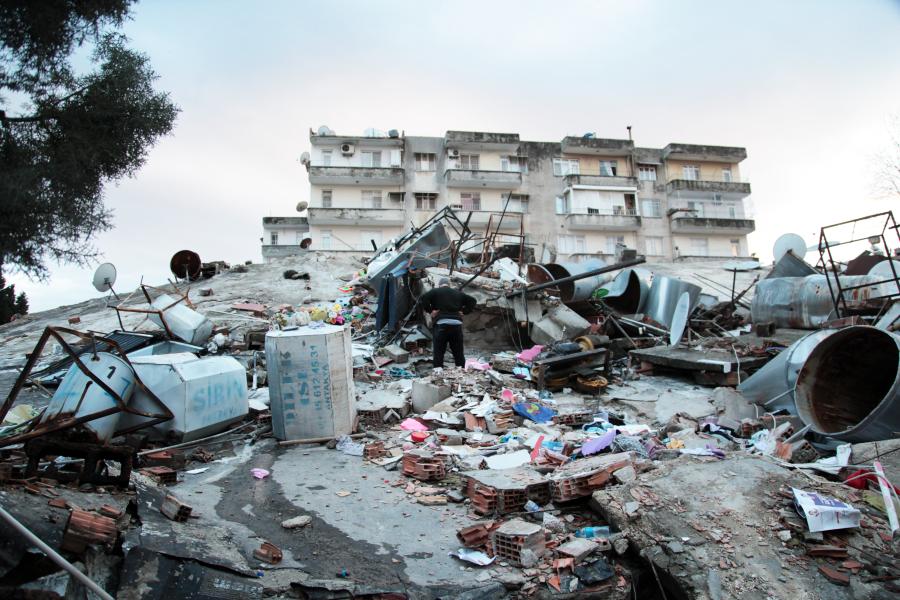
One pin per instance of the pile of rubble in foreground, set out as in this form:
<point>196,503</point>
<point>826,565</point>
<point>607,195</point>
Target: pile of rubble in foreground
<point>621,437</point>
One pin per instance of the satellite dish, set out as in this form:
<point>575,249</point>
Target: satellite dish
<point>741,265</point>
<point>302,205</point>
<point>304,158</point>
<point>884,273</point>
<point>789,242</point>
<point>393,133</point>
<point>185,264</point>
<point>324,130</point>
<point>105,277</point>
<point>679,318</point>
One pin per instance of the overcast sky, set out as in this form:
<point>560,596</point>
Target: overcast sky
<point>808,87</point>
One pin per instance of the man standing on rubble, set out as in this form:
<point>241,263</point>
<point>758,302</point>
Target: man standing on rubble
<point>447,306</point>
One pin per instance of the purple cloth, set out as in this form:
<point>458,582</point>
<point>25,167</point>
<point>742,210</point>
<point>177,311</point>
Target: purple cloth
<point>597,444</point>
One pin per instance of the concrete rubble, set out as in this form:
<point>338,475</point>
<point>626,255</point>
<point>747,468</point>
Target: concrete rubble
<point>287,436</point>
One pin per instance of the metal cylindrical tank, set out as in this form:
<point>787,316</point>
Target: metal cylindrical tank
<point>776,380</point>
<point>311,387</point>
<point>849,386</point>
<point>185,324</point>
<point>572,291</point>
<point>663,298</point>
<point>805,302</point>
<point>78,395</point>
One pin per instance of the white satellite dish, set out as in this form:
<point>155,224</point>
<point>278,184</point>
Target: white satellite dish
<point>324,130</point>
<point>679,318</point>
<point>884,273</point>
<point>302,205</point>
<point>104,278</point>
<point>789,242</point>
<point>304,158</point>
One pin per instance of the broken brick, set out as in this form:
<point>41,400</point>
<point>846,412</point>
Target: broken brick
<point>834,576</point>
<point>175,509</point>
<point>84,528</point>
<point>269,553</point>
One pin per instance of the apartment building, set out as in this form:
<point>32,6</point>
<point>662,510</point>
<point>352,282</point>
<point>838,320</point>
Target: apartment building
<point>582,197</point>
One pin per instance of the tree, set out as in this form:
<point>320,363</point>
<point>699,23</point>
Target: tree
<point>888,163</point>
<point>65,134</point>
<point>21,304</point>
<point>7,301</point>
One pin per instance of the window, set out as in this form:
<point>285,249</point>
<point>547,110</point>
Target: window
<point>647,172</point>
<point>470,200</point>
<point>608,168</point>
<point>469,161</point>
<point>651,208</point>
<point>395,197</point>
<point>425,161</point>
<point>612,241</point>
<point>325,239</point>
<point>516,164</point>
<point>426,201</point>
<point>735,247</point>
<point>565,166</point>
<point>518,203</point>
<point>653,245</point>
<point>371,198</point>
<point>326,158</point>
<point>696,208</point>
<point>274,238</point>
<point>593,211</point>
<point>326,198</point>
<point>691,172</point>
<point>726,175</point>
<point>699,246</point>
<point>371,158</point>
<point>562,205</point>
<point>570,244</point>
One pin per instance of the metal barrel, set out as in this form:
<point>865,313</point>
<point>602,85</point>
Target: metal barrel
<point>849,386</point>
<point>663,298</point>
<point>773,385</point>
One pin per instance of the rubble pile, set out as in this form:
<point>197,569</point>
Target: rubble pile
<point>615,431</point>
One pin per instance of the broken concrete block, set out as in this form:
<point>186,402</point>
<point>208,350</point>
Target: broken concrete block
<point>175,509</point>
<point>396,354</point>
<point>579,549</point>
<point>297,522</point>
<point>432,500</point>
<point>560,323</point>
<point>624,475</point>
<point>426,394</point>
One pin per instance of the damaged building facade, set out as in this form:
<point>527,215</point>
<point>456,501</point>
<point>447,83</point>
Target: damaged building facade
<point>580,197</point>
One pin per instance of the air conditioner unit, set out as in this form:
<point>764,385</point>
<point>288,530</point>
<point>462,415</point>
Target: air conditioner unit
<point>347,149</point>
<point>453,153</point>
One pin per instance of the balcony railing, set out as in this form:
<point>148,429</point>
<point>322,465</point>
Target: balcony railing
<point>319,175</point>
<point>470,178</point>
<point>612,220</point>
<point>356,216</point>
<point>704,185</point>
<point>602,180</point>
<point>511,220</point>
<point>707,224</point>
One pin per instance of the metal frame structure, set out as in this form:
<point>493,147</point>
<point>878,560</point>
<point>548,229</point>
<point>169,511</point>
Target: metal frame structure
<point>160,312</point>
<point>62,421</point>
<point>885,221</point>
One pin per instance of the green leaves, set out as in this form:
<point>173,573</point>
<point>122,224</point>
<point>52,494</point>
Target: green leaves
<point>74,134</point>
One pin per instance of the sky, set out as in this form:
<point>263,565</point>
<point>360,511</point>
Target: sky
<point>809,87</point>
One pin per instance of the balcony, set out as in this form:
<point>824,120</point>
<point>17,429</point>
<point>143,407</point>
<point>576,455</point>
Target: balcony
<point>373,176</point>
<point>713,225</point>
<point>467,178</point>
<point>479,219</point>
<point>482,140</point>
<point>605,221</point>
<point>728,154</point>
<point>596,146</point>
<point>356,216</point>
<point>722,187</point>
<point>602,181</point>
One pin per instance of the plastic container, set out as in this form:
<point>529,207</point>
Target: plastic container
<point>593,532</point>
